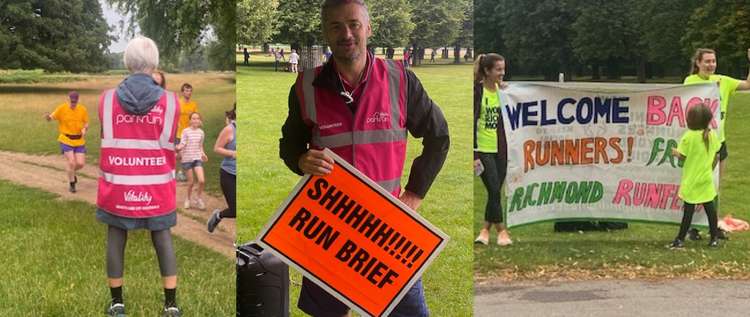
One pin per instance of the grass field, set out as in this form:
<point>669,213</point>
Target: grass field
<point>54,264</point>
<point>265,181</point>
<point>23,129</point>
<point>639,251</point>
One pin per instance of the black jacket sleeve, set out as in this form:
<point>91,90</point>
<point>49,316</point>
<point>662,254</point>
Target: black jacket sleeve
<point>424,119</point>
<point>295,135</point>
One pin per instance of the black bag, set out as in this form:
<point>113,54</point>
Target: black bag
<point>262,283</point>
<point>572,226</point>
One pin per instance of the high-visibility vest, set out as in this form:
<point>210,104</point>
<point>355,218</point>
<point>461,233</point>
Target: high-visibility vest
<point>137,158</point>
<point>373,139</point>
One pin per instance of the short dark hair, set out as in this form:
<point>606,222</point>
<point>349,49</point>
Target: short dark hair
<point>185,86</point>
<point>329,4</point>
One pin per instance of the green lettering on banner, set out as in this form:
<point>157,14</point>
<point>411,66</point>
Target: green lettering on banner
<point>555,192</point>
<point>516,203</point>
<point>559,192</point>
<point>545,193</point>
<point>571,194</point>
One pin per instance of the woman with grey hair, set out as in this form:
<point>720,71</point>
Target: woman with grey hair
<point>136,184</point>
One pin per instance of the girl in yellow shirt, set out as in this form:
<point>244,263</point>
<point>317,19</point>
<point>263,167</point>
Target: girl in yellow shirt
<point>698,147</point>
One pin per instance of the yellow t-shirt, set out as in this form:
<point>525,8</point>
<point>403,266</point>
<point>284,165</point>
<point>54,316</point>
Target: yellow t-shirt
<point>186,108</point>
<point>488,120</point>
<point>697,184</point>
<point>727,87</point>
<point>70,122</point>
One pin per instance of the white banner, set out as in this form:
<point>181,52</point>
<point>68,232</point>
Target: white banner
<point>578,155</point>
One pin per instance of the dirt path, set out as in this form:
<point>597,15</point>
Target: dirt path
<point>48,173</point>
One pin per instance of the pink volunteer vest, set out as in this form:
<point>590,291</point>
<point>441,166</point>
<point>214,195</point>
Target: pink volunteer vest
<point>137,159</point>
<point>374,138</point>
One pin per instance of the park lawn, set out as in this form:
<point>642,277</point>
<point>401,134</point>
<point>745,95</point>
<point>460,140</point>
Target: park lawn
<point>54,263</point>
<point>638,252</point>
<point>265,181</point>
<point>23,129</point>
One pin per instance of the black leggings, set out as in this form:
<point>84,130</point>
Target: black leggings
<point>228,187</point>
<point>116,240</point>
<point>687,219</point>
<point>493,178</point>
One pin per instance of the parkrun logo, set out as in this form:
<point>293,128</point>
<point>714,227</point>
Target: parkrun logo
<point>378,117</point>
<point>131,118</point>
<point>158,110</point>
<point>140,197</point>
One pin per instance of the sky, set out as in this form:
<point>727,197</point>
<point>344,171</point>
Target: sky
<point>113,20</point>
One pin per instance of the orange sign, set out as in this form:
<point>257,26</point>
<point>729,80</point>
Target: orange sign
<point>353,238</point>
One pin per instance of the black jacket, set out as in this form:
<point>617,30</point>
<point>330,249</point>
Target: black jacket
<point>424,119</point>
<point>502,144</point>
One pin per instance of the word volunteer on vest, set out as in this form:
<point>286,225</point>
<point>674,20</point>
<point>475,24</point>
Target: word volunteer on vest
<point>138,158</point>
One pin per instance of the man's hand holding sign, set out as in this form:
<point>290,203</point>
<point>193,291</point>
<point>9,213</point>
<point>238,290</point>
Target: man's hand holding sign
<point>352,237</point>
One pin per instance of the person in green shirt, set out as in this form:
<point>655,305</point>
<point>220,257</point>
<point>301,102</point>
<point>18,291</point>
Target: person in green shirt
<point>698,148</point>
<point>490,156</point>
<point>703,70</point>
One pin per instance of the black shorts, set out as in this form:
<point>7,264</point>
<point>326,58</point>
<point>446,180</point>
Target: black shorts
<point>723,154</point>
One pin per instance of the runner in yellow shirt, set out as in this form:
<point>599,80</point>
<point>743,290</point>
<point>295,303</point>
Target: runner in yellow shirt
<point>704,71</point>
<point>73,123</point>
<point>187,106</point>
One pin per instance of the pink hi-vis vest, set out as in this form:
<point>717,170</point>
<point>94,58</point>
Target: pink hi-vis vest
<point>374,138</point>
<point>137,159</point>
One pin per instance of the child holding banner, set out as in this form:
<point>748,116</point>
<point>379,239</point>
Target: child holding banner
<point>698,147</point>
<point>489,142</point>
<point>703,68</point>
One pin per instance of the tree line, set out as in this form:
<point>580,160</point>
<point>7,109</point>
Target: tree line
<point>396,23</point>
<point>611,39</point>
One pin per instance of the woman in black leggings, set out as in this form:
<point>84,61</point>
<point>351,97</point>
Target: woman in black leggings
<point>226,146</point>
<point>490,155</point>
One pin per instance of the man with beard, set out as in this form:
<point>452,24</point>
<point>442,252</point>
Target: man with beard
<point>361,107</point>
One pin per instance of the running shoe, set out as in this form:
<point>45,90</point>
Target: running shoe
<point>116,310</point>
<point>214,220</point>
<point>714,243</point>
<point>187,204</point>
<point>676,244</point>
<point>172,311</point>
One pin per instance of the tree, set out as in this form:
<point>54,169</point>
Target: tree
<point>55,35</point>
<point>725,27</point>
<point>178,26</point>
<point>391,22</point>
<point>256,21</point>
<point>437,23</point>
<point>488,25</point>
<point>537,36</point>
<point>466,35</point>
<point>299,23</point>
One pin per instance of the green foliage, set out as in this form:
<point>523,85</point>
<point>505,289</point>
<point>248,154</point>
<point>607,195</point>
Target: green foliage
<point>725,27</point>
<point>299,22</point>
<point>256,21</point>
<point>391,22</point>
<point>438,22</point>
<point>647,37</point>
<point>180,27</point>
<point>55,35</point>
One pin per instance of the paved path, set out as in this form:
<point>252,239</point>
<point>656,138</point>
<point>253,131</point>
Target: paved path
<point>631,298</point>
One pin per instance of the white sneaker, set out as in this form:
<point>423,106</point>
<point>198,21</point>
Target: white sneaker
<point>187,204</point>
<point>200,204</point>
